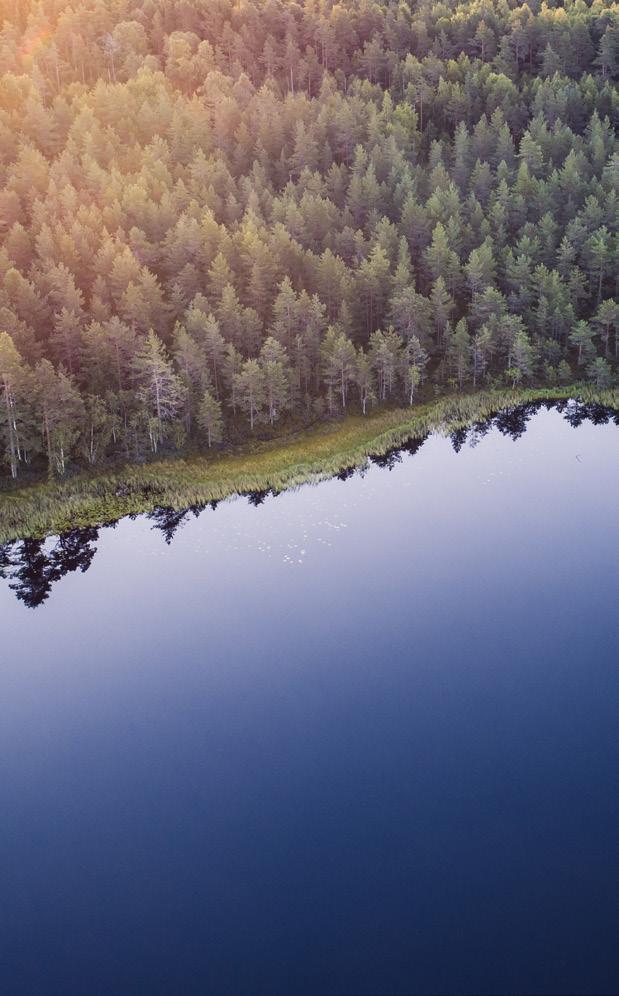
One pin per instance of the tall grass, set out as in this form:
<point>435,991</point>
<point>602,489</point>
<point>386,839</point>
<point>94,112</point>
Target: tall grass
<point>53,507</point>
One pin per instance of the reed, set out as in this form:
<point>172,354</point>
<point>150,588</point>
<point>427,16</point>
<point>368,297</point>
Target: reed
<point>321,452</point>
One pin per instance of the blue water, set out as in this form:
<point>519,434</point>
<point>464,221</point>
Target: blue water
<point>360,739</point>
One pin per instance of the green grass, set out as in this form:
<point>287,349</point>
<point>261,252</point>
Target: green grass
<point>320,452</point>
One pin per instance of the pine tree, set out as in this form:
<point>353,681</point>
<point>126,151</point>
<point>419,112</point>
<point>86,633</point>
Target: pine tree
<point>210,418</point>
<point>220,276</point>
<point>442,307</point>
<point>60,410</point>
<point>364,379</point>
<point>12,375</point>
<point>599,254</point>
<point>277,378</point>
<point>249,387</point>
<point>581,336</point>
<point>522,354</point>
<point>191,363</point>
<point>339,359</point>
<point>159,389</point>
<point>600,373</point>
<point>605,319</point>
<point>480,268</point>
<point>285,313</point>
<point>385,353</point>
<point>231,366</point>
<point>97,430</point>
<point>441,261</point>
<point>481,347</point>
<point>374,286</point>
<point>459,352</point>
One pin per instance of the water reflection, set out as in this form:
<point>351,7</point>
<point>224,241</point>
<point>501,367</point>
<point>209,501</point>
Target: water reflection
<point>257,498</point>
<point>168,520</point>
<point>576,413</point>
<point>392,457</point>
<point>32,567</point>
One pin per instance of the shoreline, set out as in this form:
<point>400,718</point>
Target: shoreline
<point>320,452</point>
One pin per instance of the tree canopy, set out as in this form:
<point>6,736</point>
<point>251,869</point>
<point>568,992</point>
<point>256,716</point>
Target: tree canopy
<point>218,214</point>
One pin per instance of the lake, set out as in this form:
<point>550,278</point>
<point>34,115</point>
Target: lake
<point>359,738</point>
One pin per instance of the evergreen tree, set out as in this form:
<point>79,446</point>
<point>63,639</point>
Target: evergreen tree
<point>274,365</point>
<point>364,379</point>
<point>606,319</point>
<point>159,389</point>
<point>13,406</point>
<point>60,412</point>
<point>459,352</point>
<point>600,373</point>
<point>250,391</point>
<point>339,360</point>
<point>210,418</point>
<point>581,336</point>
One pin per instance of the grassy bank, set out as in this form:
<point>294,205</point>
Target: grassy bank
<point>53,507</point>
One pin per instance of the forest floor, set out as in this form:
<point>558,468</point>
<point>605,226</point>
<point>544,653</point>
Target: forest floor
<point>321,451</point>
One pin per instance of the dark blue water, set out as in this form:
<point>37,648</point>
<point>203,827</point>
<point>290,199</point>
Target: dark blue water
<point>360,739</point>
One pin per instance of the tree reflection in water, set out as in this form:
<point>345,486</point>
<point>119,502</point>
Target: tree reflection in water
<point>513,422</point>
<point>576,413</point>
<point>32,567</point>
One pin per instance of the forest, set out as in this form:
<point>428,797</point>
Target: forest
<point>218,217</point>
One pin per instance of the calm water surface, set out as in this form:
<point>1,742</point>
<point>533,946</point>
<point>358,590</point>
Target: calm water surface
<point>360,739</point>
